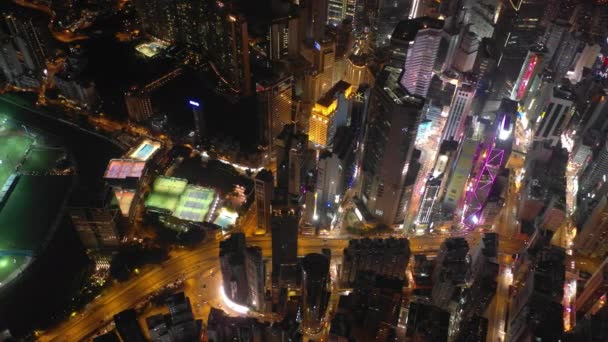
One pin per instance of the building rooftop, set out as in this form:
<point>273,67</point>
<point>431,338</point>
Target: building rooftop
<point>388,80</point>
<point>406,30</point>
<point>328,102</point>
<point>124,168</point>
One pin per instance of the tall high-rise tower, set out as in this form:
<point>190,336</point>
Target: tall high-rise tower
<point>517,30</point>
<point>459,110</point>
<point>420,61</point>
<point>315,295</point>
<point>275,107</point>
<point>284,225</point>
<point>199,120</point>
<point>264,186</point>
<point>338,10</point>
<point>394,118</point>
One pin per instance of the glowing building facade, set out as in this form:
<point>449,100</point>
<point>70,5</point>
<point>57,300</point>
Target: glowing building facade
<point>533,64</point>
<point>329,113</point>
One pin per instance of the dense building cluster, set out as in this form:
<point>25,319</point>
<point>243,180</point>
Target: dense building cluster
<point>355,170</point>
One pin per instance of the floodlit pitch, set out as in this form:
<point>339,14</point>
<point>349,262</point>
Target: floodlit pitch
<point>169,185</point>
<point>183,201</point>
<point>194,204</point>
<point>152,48</point>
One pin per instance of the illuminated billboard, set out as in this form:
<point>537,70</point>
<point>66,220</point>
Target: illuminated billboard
<point>523,85</point>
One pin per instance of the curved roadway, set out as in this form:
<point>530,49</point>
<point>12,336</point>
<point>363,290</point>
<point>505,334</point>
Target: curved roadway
<point>187,264</point>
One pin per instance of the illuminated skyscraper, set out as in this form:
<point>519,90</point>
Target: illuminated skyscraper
<point>234,268</point>
<point>459,110</point>
<point>394,118</point>
<point>198,117</point>
<point>420,61</point>
<point>329,113</point>
<point>275,107</point>
<point>338,10</point>
<point>328,189</point>
<point>315,295</point>
<point>256,277</point>
<point>243,271</point>
<point>227,46</point>
<point>404,35</point>
<point>283,38</point>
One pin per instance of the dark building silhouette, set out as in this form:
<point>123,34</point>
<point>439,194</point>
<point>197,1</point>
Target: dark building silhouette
<point>315,295</point>
<point>128,327</point>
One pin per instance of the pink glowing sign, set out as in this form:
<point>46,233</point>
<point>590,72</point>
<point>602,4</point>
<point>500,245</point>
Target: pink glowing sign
<point>527,75</point>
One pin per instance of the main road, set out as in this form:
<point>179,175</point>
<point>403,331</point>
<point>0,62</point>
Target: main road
<point>187,264</point>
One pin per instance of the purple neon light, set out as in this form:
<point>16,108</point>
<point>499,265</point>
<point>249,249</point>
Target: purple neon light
<point>474,204</point>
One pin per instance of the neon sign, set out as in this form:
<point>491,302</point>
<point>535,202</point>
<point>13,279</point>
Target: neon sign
<point>526,77</point>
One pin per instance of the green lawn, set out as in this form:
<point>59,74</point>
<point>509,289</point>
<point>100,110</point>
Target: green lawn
<point>12,150</point>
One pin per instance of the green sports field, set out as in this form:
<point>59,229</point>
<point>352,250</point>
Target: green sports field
<point>13,147</point>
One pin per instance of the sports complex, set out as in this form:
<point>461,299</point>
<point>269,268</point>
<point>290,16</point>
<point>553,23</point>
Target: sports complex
<point>186,202</point>
<point>31,197</point>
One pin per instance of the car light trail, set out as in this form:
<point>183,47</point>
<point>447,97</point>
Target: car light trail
<point>232,305</point>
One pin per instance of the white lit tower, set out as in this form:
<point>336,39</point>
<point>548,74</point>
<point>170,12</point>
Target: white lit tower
<point>199,120</point>
<point>420,61</point>
<point>459,110</point>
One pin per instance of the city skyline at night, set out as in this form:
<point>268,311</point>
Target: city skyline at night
<point>303,170</point>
